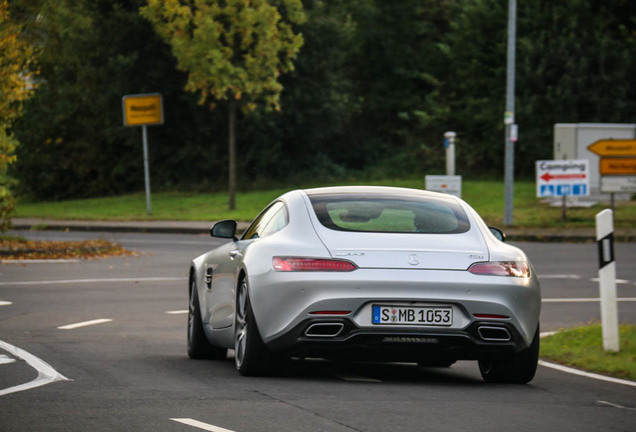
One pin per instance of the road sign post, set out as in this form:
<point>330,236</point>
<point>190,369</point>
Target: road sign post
<point>143,110</point>
<point>617,165</point>
<point>607,279</point>
<point>563,178</point>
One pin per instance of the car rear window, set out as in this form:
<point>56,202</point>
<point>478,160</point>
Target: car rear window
<point>389,214</point>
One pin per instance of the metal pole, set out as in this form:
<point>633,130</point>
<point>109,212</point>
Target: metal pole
<point>146,168</point>
<point>509,118</point>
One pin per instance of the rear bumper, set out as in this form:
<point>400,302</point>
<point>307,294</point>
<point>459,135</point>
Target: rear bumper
<point>286,304</point>
<point>342,338</point>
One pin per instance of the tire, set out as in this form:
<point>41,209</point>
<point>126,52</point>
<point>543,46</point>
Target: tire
<point>517,368</point>
<point>251,356</point>
<point>199,347</point>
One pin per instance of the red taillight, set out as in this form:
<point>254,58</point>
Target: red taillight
<point>501,268</point>
<point>490,316</point>
<point>287,264</point>
<point>334,312</point>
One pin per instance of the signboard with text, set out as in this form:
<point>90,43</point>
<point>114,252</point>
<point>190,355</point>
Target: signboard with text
<point>451,185</point>
<point>617,164</point>
<point>557,178</point>
<point>142,109</point>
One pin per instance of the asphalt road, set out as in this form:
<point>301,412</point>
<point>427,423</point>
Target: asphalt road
<point>130,372</point>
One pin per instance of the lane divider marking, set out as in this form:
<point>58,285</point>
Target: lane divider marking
<point>560,276</point>
<point>584,300</point>
<point>41,261</point>
<point>80,281</point>
<point>5,303</point>
<point>46,373</point>
<point>200,425</point>
<point>84,324</point>
<point>177,312</point>
<point>613,405</point>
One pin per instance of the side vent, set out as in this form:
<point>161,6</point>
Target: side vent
<point>208,277</point>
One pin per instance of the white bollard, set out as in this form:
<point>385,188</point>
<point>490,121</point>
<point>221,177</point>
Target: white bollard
<point>607,279</point>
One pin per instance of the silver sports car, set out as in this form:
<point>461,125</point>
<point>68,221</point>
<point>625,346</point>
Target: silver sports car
<point>366,273</point>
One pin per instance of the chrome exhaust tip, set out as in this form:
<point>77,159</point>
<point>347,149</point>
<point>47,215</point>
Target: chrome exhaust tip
<point>324,330</point>
<point>499,334</point>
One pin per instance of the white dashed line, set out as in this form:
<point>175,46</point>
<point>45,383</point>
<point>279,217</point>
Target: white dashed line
<point>5,303</point>
<point>41,261</point>
<point>84,324</point>
<point>46,374</point>
<point>613,405</point>
<point>584,300</point>
<point>81,281</point>
<point>618,281</point>
<point>177,312</point>
<point>200,425</point>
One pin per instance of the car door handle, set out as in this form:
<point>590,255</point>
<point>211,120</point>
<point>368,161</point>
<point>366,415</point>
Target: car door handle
<point>235,254</point>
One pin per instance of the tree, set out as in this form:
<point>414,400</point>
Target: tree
<point>232,50</point>
<point>15,60</point>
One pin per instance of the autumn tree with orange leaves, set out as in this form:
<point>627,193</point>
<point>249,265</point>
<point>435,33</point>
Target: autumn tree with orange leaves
<point>15,87</point>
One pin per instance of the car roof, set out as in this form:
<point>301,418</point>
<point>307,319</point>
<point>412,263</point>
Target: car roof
<point>377,190</point>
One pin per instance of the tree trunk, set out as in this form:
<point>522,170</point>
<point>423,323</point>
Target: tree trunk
<point>232,158</point>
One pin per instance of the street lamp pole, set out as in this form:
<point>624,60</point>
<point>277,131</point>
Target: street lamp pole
<point>509,116</point>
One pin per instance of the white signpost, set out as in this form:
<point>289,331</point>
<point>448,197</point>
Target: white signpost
<point>559,178</point>
<point>607,279</point>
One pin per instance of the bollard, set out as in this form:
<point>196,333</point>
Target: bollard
<point>607,279</point>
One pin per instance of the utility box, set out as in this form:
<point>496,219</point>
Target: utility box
<point>572,139</point>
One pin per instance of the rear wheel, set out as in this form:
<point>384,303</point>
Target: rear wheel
<point>250,353</point>
<point>199,347</point>
<point>517,368</point>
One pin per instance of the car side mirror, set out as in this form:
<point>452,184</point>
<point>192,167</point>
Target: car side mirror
<point>224,229</point>
<point>498,233</point>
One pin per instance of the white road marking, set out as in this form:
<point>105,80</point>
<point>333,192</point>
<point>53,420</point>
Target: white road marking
<point>46,374</point>
<point>546,334</point>
<point>615,405</point>
<point>584,300</point>
<point>587,374</point>
<point>560,276</point>
<point>177,312</point>
<point>200,425</point>
<point>5,303</point>
<point>82,281</point>
<point>40,261</point>
<point>618,281</point>
<point>85,324</point>
<point>4,359</point>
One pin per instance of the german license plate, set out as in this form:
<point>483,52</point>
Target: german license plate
<point>412,315</point>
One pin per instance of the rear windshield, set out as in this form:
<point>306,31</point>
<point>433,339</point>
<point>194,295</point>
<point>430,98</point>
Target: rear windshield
<point>386,213</point>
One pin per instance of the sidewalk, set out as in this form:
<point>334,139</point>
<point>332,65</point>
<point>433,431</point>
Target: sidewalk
<point>199,227</point>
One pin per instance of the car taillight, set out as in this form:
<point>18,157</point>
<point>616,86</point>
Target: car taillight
<point>287,264</point>
<point>519,269</point>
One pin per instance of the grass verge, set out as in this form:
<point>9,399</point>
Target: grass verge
<point>582,348</point>
<point>487,197</point>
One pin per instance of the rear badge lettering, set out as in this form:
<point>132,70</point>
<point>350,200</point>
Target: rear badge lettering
<point>409,339</point>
